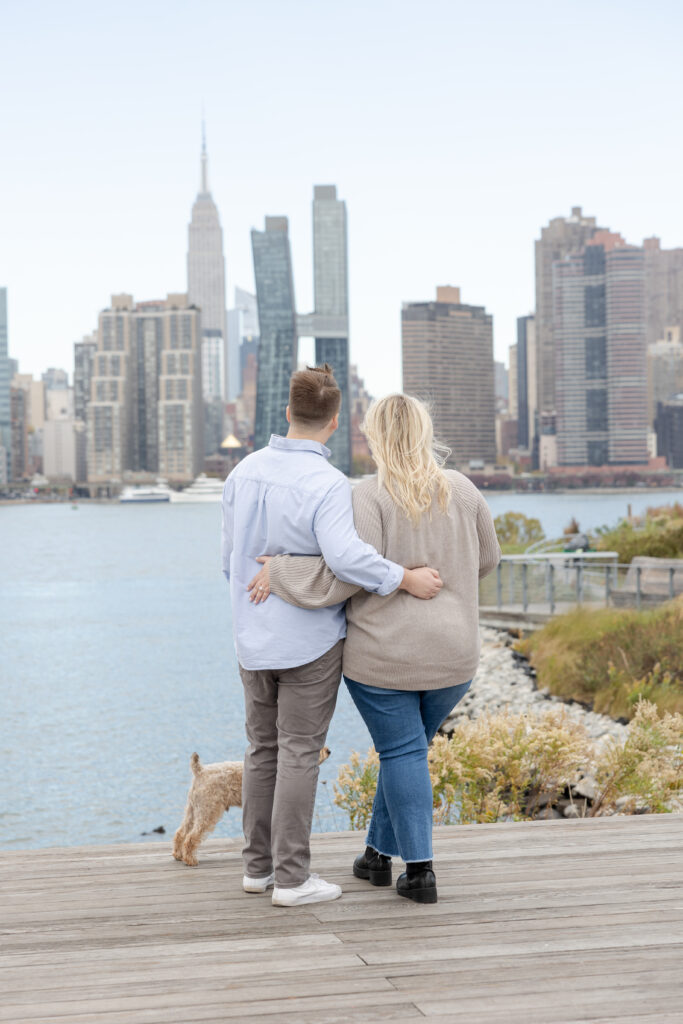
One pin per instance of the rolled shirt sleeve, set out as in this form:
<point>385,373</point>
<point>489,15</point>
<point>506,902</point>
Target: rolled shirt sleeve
<point>350,558</point>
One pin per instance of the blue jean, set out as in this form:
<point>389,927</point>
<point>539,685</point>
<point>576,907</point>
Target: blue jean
<point>402,724</point>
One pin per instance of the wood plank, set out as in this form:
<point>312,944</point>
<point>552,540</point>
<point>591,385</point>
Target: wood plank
<point>115,1004</point>
<point>611,999</point>
<point>537,922</point>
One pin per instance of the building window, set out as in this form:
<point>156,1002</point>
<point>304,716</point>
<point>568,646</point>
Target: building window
<point>596,358</point>
<point>596,410</point>
<point>597,453</point>
<point>595,307</point>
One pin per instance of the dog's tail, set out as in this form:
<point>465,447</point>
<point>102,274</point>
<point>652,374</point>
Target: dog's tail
<point>195,764</point>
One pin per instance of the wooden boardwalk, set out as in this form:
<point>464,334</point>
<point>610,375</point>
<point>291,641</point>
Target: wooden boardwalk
<point>537,923</point>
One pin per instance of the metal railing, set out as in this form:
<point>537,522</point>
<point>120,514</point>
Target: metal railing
<point>551,583</point>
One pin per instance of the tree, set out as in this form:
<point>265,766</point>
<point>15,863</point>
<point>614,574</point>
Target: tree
<point>516,528</point>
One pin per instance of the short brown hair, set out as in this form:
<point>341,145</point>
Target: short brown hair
<point>314,396</point>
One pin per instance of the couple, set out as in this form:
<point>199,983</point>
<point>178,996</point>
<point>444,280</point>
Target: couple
<point>365,570</point>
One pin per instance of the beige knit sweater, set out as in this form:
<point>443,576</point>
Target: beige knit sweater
<point>398,641</point>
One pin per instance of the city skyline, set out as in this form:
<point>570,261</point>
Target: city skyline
<point>462,205</point>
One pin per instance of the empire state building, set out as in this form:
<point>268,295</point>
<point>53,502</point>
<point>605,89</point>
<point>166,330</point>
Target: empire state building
<point>206,285</point>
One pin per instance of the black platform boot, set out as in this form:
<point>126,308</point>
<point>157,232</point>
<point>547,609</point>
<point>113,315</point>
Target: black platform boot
<point>418,882</point>
<point>373,866</point>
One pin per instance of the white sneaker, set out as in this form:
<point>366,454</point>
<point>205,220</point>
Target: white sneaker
<point>313,890</point>
<point>257,884</point>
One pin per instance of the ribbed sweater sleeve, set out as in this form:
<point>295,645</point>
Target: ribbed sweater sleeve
<point>306,581</point>
<point>489,548</point>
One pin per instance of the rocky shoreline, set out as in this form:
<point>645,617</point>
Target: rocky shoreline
<point>505,680</point>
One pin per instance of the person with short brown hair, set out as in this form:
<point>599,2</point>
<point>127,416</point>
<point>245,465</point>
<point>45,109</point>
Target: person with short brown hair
<point>314,396</point>
<point>288,498</point>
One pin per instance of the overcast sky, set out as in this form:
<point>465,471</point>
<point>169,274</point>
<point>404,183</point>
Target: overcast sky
<point>453,130</point>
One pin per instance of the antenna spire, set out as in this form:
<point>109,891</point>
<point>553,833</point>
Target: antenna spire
<point>205,160</point>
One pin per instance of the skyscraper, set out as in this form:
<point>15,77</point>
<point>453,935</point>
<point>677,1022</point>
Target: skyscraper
<point>179,411</point>
<point>663,288</point>
<point>513,373</point>
<point>526,380</point>
<point>19,417</point>
<point>277,352</point>
<point>664,370</point>
<point>448,361</point>
<point>111,413</point>
<point>84,354</point>
<point>599,332</point>
<point>6,374</point>
<point>331,298</point>
<point>206,284</point>
<point>561,237</point>
<point>329,322</point>
<point>145,412</point>
<point>243,333</point>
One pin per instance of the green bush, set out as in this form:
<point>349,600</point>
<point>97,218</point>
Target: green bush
<point>659,536</point>
<point>610,657</point>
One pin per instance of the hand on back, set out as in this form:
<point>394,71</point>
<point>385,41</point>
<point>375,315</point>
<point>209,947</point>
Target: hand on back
<point>259,587</point>
<point>424,582</point>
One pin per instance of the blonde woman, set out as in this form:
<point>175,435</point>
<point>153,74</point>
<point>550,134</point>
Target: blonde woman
<point>406,663</point>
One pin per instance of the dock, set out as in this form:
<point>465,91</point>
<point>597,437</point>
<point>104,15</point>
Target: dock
<point>537,922</point>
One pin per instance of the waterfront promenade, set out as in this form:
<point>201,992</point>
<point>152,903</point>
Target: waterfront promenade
<point>538,922</point>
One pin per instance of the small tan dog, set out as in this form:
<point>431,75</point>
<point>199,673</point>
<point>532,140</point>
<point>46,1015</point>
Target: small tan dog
<point>215,789</point>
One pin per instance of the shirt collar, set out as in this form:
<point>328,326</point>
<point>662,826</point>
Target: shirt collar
<point>291,444</point>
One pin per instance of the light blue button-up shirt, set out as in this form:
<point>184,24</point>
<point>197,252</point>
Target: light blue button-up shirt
<point>288,499</point>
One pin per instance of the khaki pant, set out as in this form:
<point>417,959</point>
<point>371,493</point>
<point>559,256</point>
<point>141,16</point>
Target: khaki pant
<point>288,713</point>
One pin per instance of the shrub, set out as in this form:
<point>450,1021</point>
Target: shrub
<point>355,787</point>
<point>648,767</point>
<point>496,765</point>
<point>516,528</point>
<point>506,766</point>
<point>610,657</point>
<point>659,536</point>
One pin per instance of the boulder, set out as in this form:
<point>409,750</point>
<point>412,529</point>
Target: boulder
<point>586,786</point>
<point>547,814</point>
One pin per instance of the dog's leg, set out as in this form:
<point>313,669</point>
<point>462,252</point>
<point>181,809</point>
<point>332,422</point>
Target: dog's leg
<point>201,828</point>
<point>185,827</point>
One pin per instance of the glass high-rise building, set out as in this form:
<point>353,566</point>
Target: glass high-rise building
<point>6,374</point>
<point>280,327</point>
<point>277,353</point>
<point>331,296</point>
<point>206,285</point>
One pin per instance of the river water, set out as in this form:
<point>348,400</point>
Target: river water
<point>116,663</point>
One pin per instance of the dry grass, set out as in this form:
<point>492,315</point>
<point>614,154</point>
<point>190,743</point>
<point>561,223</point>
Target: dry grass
<point>506,766</point>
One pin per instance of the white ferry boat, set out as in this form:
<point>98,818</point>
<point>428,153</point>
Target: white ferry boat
<point>204,488</point>
<point>146,493</point>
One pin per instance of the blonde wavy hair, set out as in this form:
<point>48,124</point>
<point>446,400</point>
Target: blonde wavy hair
<point>409,462</point>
